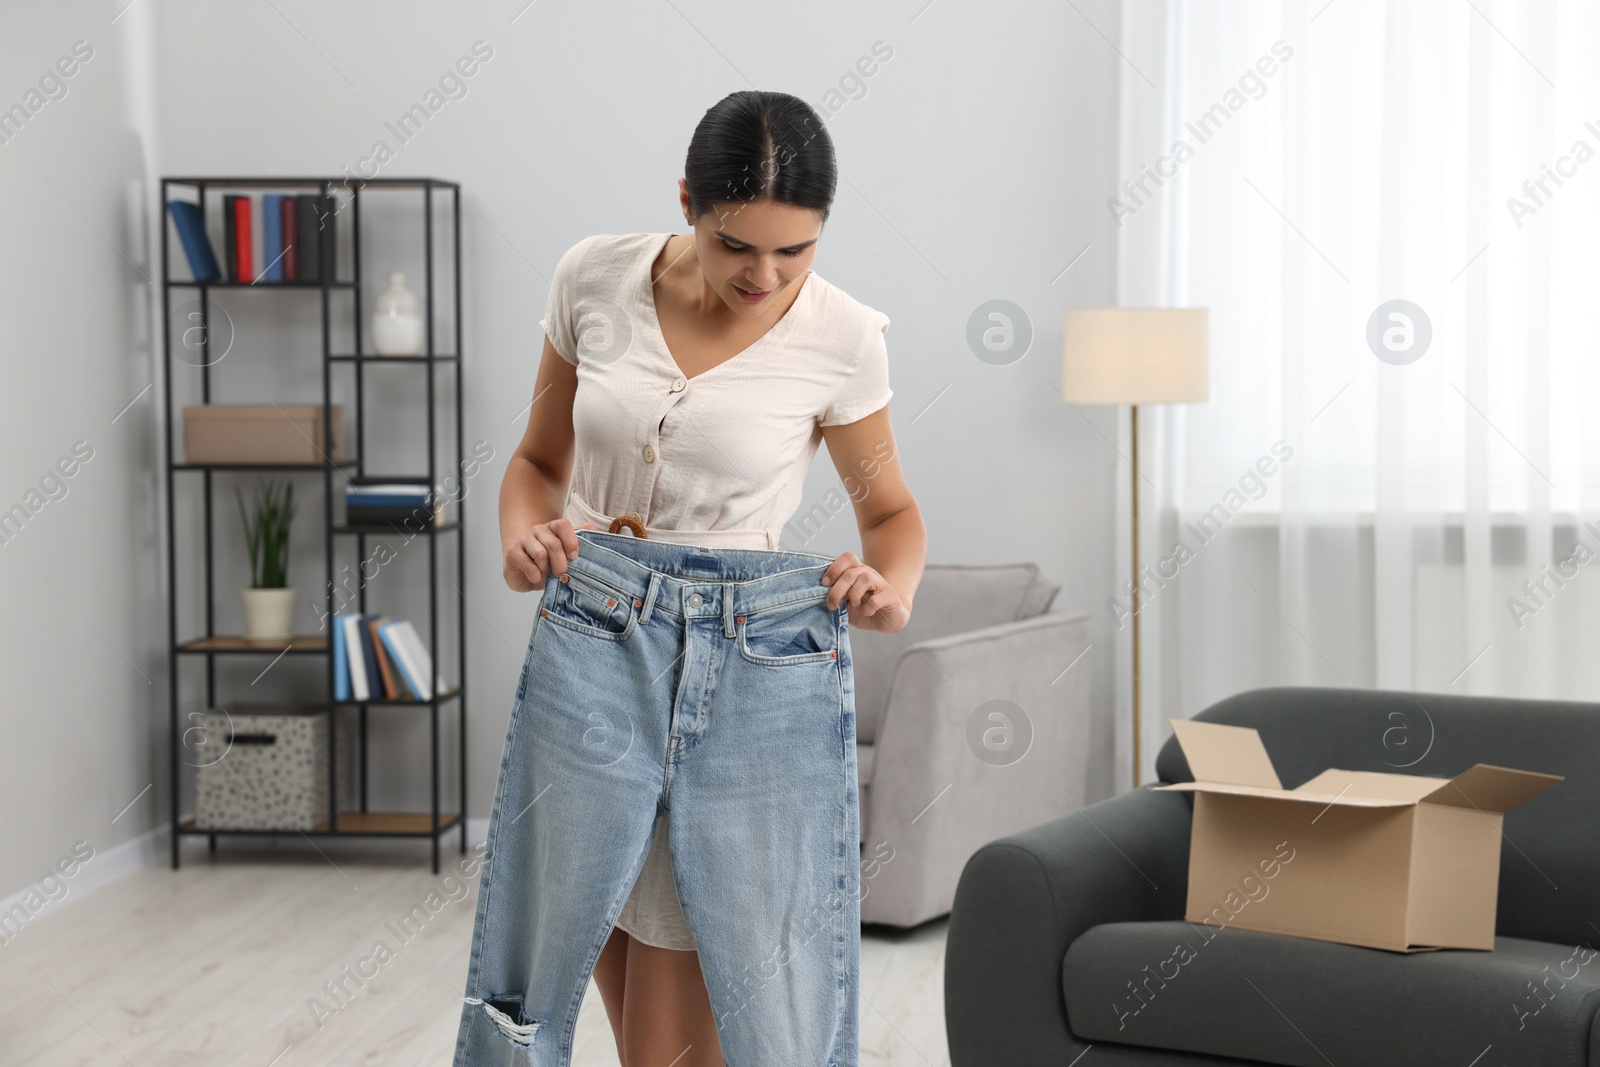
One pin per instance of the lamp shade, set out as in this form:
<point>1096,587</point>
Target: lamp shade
<point>1136,356</point>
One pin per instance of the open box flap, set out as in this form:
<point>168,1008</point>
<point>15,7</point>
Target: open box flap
<point>1347,800</point>
<point>1225,755</point>
<point>1490,788</point>
<point>1381,786</point>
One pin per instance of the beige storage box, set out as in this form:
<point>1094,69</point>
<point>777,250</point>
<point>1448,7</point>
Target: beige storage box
<point>262,767</point>
<point>1390,861</point>
<point>259,433</point>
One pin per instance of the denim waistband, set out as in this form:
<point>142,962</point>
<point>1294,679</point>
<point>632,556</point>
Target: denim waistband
<point>693,581</point>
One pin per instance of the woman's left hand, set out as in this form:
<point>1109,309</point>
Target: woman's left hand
<point>874,603</point>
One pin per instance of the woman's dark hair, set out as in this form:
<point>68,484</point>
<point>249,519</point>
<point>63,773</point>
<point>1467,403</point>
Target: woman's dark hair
<point>757,145</point>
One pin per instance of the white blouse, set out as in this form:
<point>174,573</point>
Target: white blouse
<point>719,459</point>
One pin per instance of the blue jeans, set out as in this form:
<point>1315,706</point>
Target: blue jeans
<point>714,684</point>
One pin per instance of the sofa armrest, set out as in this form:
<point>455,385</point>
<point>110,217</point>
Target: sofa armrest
<point>1023,899</point>
<point>985,733</point>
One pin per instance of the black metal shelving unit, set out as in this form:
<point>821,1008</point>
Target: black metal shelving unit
<point>435,823</point>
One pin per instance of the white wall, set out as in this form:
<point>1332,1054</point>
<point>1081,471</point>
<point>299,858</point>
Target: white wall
<point>81,637</point>
<point>974,166</point>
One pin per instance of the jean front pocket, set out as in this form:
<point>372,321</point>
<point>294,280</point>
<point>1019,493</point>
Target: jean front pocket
<point>589,606</point>
<point>789,635</point>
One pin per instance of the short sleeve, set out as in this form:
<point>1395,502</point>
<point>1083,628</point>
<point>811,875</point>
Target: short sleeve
<point>866,389</point>
<point>558,322</point>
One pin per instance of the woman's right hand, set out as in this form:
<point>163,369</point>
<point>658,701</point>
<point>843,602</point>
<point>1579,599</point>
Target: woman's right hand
<point>546,546</point>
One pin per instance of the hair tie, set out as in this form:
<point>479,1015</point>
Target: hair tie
<point>631,523</point>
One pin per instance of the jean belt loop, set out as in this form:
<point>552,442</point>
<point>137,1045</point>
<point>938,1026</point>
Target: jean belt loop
<point>650,597</point>
<point>727,610</point>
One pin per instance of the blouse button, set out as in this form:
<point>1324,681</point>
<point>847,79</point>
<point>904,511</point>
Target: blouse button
<point>649,454</point>
<point>678,383</point>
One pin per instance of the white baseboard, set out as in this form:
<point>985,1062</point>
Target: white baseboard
<point>155,847</point>
<point>101,869</point>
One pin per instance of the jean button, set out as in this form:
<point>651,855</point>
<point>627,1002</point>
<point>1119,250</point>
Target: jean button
<point>695,600</point>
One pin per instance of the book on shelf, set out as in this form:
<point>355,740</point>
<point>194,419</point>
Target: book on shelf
<point>370,655</point>
<point>409,504</point>
<point>272,237</point>
<point>376,658</point>
<point>291,239</point>
<point>315,227</point>
<point>244,239</point>
<point>241,253</point>
<point>230,252</point>
<point>393,688</point>
<point>351,659</point>
<point>191,227</point>
<point>341,671</point>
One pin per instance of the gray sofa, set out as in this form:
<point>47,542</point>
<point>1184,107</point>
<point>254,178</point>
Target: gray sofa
<point>980,641</point>
<point>1057,932</point>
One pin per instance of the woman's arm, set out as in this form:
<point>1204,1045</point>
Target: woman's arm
<point>893,538</point>
<point>533,534</point>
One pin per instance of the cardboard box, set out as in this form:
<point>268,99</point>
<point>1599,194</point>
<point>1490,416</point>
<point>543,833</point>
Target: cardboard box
<point>259,433</point>
<point>1391,861</point>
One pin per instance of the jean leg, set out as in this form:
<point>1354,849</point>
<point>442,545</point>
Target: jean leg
<point>575,810</point>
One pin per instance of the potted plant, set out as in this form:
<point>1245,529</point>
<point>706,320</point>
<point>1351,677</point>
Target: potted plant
<point>269,600</point>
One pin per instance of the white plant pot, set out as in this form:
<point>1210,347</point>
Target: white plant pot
<point>268,614</point>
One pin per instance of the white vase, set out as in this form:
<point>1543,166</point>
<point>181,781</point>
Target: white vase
<point>268,614</point>
<point>397,328</point>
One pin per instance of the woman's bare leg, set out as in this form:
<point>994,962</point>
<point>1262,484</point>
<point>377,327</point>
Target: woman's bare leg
<point>666,1011</point>
<point>611,975</point>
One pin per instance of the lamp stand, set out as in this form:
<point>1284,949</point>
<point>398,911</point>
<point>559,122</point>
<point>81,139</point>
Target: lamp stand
<point>1134,493</point>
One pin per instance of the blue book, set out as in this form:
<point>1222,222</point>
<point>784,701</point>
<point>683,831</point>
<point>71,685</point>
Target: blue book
<point>386,500</point>
<point>341,668</point>
<point>272,236</point>
<point>191,226</point>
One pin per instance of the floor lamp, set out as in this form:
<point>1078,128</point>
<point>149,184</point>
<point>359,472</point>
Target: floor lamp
<point>1136,356</point>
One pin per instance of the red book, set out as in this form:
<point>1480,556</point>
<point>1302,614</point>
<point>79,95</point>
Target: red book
<point>291,238</point>
<point>244,262</point>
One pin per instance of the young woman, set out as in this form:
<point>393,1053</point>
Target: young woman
<point>685,384</point>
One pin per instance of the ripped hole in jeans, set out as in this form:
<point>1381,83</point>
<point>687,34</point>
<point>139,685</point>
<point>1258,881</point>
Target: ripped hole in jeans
<point>506,1011</point>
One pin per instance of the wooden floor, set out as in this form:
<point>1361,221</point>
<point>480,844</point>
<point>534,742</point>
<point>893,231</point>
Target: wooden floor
<point>218,965</point>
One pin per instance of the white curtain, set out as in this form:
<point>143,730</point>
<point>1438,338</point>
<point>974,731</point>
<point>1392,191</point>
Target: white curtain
<point>1434,526</point>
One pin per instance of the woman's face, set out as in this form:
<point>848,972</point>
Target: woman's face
<point>750,252</point>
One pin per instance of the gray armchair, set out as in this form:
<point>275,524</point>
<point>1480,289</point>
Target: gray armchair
<point>1062,936</point>
<point>980,640</point>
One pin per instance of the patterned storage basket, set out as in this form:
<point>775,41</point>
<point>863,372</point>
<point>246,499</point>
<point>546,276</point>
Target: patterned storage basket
<point>261,767</point>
